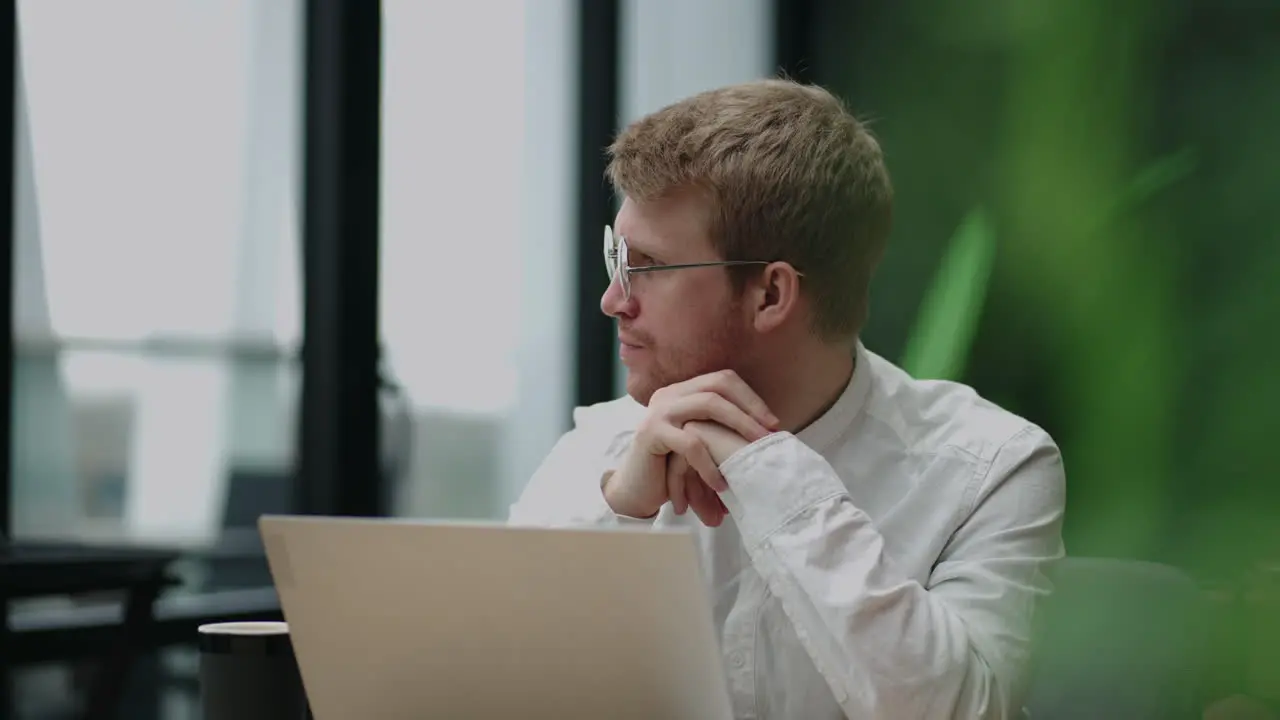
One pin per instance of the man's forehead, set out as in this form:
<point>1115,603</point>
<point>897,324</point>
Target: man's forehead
<point>660,224</point>
<point>636,227</point>
<point>637,240</point>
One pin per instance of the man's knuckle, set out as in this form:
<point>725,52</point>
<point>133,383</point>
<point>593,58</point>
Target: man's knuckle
<point>685,445</point>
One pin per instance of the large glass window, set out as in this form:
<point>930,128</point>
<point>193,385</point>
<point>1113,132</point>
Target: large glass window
<point>156,299</point>
<point>156,282</point>
<point>477,243</point>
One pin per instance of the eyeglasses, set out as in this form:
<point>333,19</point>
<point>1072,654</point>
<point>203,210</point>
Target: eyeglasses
<point>615,261</point>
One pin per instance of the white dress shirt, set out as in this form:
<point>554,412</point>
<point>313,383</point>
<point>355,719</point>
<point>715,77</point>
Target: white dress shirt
<point>882,563</point>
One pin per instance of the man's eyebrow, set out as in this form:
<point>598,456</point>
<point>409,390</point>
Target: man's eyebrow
<point>640,247</point>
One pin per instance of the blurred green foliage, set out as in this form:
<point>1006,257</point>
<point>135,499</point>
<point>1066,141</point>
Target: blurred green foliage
<point>1121,286</point>
<point>939,345</point>
<point>1119,283</point>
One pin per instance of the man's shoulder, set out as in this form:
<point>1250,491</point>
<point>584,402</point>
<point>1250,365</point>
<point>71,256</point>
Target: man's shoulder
<point>931,416</point>
<point>609,417</point>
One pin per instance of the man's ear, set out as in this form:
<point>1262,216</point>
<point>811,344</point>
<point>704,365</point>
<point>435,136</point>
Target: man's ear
<point>774,296</point>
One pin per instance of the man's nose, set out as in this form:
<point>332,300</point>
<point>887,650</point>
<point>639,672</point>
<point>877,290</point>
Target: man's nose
<point>614,303</point>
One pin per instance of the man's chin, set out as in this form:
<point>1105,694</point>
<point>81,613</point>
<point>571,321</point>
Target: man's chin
<point>640,388</point>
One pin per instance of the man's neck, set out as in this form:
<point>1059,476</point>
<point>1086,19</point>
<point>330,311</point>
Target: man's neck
<point>806,385</point>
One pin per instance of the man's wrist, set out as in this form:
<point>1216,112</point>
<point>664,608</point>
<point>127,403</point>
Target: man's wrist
<point>618,501</point>
<point>721,442</point>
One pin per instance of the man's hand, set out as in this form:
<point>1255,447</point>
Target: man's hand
<point>643,484</point>
<point>719,440</point>
<point>685,488</point>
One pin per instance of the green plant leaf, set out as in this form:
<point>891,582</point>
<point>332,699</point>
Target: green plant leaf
<point>939,345</point>
<point>1150,181</point>
<point>1161,174</point>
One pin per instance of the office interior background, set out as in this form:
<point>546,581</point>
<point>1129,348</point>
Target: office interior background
<point>305,256</point>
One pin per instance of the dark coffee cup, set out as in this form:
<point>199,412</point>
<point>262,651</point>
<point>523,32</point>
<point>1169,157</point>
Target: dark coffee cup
<point>248,672</point>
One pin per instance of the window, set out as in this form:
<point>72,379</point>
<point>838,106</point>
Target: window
<point>477,243</point>
<point>156,281</point>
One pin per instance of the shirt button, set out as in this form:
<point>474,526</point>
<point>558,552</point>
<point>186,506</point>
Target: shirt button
<point>737,660</point>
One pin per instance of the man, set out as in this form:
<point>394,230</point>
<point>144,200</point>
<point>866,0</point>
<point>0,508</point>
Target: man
<point>875,544</point>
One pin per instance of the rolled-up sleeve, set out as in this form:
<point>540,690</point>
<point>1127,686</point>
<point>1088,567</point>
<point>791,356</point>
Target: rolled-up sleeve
<point>888,646</point>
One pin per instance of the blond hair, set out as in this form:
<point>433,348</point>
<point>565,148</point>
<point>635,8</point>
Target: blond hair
<point>790,175</point>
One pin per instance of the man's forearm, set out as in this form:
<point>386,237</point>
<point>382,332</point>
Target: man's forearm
<point>887,645</point>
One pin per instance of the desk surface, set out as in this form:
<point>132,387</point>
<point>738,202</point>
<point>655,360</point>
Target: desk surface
<point>34,569</point>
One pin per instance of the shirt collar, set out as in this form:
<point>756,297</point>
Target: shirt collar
<point>824,431</point>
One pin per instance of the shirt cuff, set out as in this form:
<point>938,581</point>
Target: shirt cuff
<point>773,480</point>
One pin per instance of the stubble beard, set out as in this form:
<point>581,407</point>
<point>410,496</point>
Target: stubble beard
<point>720,349</point>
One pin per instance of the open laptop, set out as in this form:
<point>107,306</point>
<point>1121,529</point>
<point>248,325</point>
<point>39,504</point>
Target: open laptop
<point>410,619</point>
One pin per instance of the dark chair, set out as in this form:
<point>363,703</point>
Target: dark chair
<point>239,561</point>
<point>1118,639</point>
